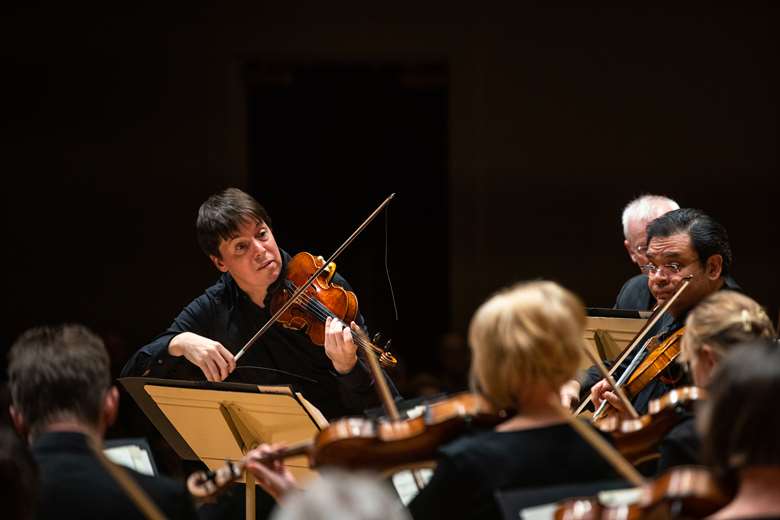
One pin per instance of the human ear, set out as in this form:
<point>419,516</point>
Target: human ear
<point>110,406</point>
<point>709,357</point>
<point>629,251</point>
<point>714,267</point>
<point>20,425</point>
<point>218,263</point>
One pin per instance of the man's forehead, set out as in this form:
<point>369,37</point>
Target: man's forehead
<point>246,227</point>
<point>678,244</point>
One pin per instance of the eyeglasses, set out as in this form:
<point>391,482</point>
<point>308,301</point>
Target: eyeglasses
<point>673,268</point>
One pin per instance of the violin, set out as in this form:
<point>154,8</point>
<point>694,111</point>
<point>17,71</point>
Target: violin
<point>651,368</point>
<point>638,439</point>
<point>302,296</point>
<point>204,486</point>
<point>384,444</point>
<point>381,445</point>
<point>655,363</point>
<point>684,491</point>
<point>321,300</point>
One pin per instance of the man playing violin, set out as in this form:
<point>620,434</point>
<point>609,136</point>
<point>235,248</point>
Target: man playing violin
<point>681,243</point>
<point>234,231</point>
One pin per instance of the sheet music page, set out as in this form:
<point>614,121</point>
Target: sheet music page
<point>132,457</point>
<point>405,486</point>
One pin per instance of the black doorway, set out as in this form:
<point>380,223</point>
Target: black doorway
<point>327,143</point>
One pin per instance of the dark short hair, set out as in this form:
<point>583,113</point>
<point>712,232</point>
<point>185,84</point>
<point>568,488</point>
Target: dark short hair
<point>58,371</point>
<point>741,426</point>
<point>707,236</point>
<point>222,214</point>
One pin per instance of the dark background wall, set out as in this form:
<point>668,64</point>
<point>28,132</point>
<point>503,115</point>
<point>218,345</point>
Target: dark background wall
<point>524,132</point>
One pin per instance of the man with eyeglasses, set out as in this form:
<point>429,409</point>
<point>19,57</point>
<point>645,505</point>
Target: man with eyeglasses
<point>635,295</point>
<point>681,243</point>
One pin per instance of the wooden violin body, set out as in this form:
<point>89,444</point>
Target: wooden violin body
<point>381,445</point>
<point>637,439</point>
<point>321,300</point>
<point>685,491</point>
<point>307,314</point>
<point>655,363</point>
<point>651,368</point>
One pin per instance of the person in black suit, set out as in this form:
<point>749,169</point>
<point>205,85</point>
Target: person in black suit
<point>62,401</point>
<point>635,295</point>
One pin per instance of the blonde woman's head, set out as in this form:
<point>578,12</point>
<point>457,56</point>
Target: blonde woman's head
<point>528,336</point>
<point>721,321</point>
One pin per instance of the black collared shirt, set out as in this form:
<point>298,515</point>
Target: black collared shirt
<point>226,314</point>
<point>75,484</point>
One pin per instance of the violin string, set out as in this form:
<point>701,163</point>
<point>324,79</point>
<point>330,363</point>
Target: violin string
<point>322,313</point>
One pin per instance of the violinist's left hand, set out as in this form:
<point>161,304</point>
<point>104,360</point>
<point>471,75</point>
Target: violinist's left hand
<point>272,476</point>
<point>339,346</point>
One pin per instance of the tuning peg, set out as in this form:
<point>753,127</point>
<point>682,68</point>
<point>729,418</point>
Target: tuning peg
<point>386,346</point>
<point>377,338</point>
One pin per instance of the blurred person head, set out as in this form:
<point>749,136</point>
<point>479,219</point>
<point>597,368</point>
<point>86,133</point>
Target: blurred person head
<point>526,340</point>
<point>718,323</point>
<point>60,376</point>
<point>739,422</point>
<point>343,495</point>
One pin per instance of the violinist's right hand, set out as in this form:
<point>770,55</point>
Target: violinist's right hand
<point>273,476</point>
<point>210,356</point>
<point>603,390</point>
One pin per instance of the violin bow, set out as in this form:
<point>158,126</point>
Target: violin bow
<point>639,337</point>
<point>386,397</point>
<point>273,319</point>
<point>638,357</point>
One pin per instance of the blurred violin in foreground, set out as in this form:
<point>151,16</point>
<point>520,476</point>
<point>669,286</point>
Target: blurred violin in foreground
<point>381,445</point>
<point>681,492</point>
<point>638,439</point>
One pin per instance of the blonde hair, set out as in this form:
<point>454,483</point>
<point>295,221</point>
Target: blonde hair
<point>722,320</point>
<point>531,333</point>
